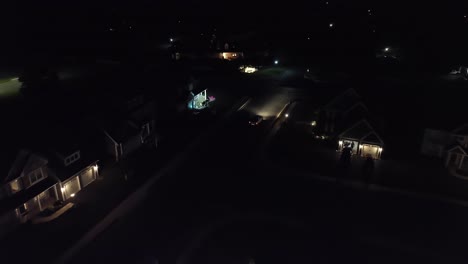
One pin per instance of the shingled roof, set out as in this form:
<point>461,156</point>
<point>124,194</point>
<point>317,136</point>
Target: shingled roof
<point>362,131</point>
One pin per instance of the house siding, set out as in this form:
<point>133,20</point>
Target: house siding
<point>110,146</point>
<point>132,145</point>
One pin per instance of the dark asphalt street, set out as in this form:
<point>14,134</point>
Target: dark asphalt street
<point>223,206</point>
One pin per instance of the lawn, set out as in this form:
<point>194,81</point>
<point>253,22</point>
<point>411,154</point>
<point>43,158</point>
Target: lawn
<point>5,79</point>
<point>9,87</point>
<point>271,71</point>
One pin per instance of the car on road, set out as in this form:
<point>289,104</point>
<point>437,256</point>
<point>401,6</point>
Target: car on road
<point>255,120</point>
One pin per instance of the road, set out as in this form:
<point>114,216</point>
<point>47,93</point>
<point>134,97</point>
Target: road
<point>224,206</point>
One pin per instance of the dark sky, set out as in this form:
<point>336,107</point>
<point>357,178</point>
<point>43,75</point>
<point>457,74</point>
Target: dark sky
<point>413,22</point>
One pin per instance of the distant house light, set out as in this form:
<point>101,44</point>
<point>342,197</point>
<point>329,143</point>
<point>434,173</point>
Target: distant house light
<point>276,62</point>
<point>171,40</point>
<point>331,25</point>
<point>387,49</point>
<point>250,69</point>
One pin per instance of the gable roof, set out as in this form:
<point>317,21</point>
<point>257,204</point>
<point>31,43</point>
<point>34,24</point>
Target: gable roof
<point>461,130</point>
<point>358,107</point>
<point>120,130</point>
<point>7,158</point>
<point>25,162</point>
<point>457,149</point>
<point>344,101</point>
<point>363,131</point>
<point>372,138</point>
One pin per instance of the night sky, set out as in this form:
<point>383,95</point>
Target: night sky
<point>432,28</point>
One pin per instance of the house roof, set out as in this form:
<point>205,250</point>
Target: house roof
<point>120,129</point>
<point>344,101</point>
<point>461,130</point>
<point>362,130</point>
<point>7,158</point>
<point>457,148</point>
<point>123,126</point>
<point>353,115</point>
<point>142,114</point>
<point>372,138</point>
<point>325,95</point>
<point>25,162</point>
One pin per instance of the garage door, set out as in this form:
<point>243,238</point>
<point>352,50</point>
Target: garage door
<point>370,151</point>
<point>87,177</point>
<point>71,187</point>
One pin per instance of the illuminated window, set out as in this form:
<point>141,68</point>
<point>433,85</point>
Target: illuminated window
<point>36,176</point>
<point>15,186</point>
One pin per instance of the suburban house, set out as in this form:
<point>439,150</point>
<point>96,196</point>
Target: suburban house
<point>341,111</point>
<point>73,168</point>
<point>42,178</point>
<point>450,146</point>
<point>126,133</point>
<point>28,189</point>
<point>231,55</point>
<point>198,98</point>
<point>362,139</point>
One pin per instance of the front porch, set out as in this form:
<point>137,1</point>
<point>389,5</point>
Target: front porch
<point>360,148</point>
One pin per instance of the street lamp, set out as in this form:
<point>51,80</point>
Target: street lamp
<point>387,49</point>
<point>331,25</point>
<point>276,62</point>
<point>171,40</point>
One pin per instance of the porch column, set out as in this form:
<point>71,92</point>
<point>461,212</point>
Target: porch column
<point>39,202</point>
<point>461,161</point>
<point>56,193</point>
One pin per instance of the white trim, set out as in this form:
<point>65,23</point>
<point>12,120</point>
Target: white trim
<point>459,147</point>
<point>355,125</point>
<point>107,134</point>
<point>370,133</point>
<point>355,105</point>
<point>349,90</point>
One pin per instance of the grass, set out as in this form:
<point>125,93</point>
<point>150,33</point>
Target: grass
<point>5,79</point>
<point>8,89</point>
<point>271,71</point>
